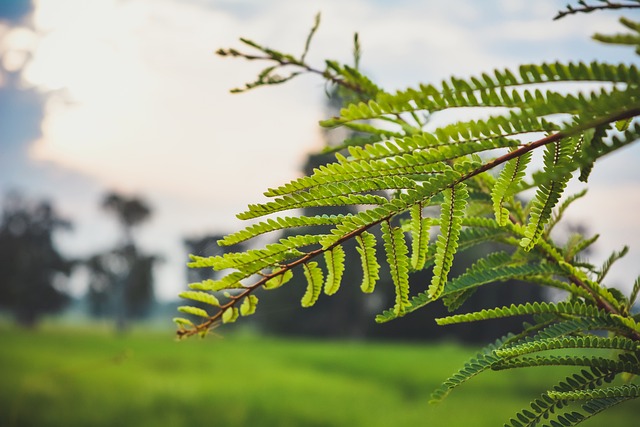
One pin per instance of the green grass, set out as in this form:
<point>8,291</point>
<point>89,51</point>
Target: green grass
<point>62,377</point>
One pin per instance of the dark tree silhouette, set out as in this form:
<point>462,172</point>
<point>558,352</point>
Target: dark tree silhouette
<point>130,212</point>
<point>121,282</point>
<point>32,271</point>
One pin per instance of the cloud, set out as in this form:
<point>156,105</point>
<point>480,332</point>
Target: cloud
<point>145,105</point>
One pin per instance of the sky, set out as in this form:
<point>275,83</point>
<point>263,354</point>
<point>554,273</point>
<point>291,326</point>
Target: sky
<point>128,95</point>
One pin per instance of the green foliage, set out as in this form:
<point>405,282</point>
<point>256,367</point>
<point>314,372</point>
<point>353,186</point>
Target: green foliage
<point>452,210</point>
<point>370,267</point>
<point>335,267</point>
<point>401,181</point>
<point>396,250</point>
<point>313,274</point>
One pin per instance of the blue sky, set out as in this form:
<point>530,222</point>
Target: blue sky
<point>128,95</point>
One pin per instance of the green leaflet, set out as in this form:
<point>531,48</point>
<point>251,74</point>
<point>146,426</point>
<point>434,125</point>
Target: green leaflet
<point>397,257</point>
<point>334,259</point>
<point>625,390</point>
<point>182,322</point>
<point>230,281</point>
<point>623,363</point>
<point>356,175</point>
<point>230,315</point>
<point>419,228</point>
<point>452,210</point>
<point>370,267</point>
<point>278,280</point>
<point>507,185</point>
<point>249,305</point>
<point>195,311</point>
<point>588,341</point>
<point>627,38</point>
<point>424,149</point>
<point>204,297</point>
<point>314,277</point>
<point>576,309</point>
<point>556,159</point>
<point>592,143</point>
<point>256,259</point>
<point>273,224</point>
<point>336,195</point>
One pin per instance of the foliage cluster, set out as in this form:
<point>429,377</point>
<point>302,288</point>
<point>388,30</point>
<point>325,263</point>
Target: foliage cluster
<point>433,193</point>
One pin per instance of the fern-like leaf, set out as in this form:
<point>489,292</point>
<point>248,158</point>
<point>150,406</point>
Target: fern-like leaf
<point>588,341</point>
<point>452,210</point>
<point>419,237</point>
<point>507,185</point>
<point>314,277</point>
<point>626,390</point>
<point>575,309</point>
<point>556,158</point>
<point>370,266</point>
<point>397,257</point>
<point>230,315</point>
<point>204,297</point>
<point>628,364</point>
<point>336,195</point>
<point>281,223</point>
<point>194,311</point>
<point>334,260</point>
<point>281,277</point>
<point>249,304</point>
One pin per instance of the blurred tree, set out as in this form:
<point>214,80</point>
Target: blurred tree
<point>31,268</point>
<point>121,279</point>
<point>121,284</point>
<point>129,211</point>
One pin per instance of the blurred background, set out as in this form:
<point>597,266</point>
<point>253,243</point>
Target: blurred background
<point>122,151</point>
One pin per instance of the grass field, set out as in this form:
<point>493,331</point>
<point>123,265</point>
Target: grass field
<point>62,377</point>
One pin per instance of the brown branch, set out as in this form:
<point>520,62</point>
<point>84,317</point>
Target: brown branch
<point>333,78</point>
<point>586,8</point>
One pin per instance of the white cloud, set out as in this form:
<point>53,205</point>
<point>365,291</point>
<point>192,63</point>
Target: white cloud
<point>145,106</point>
